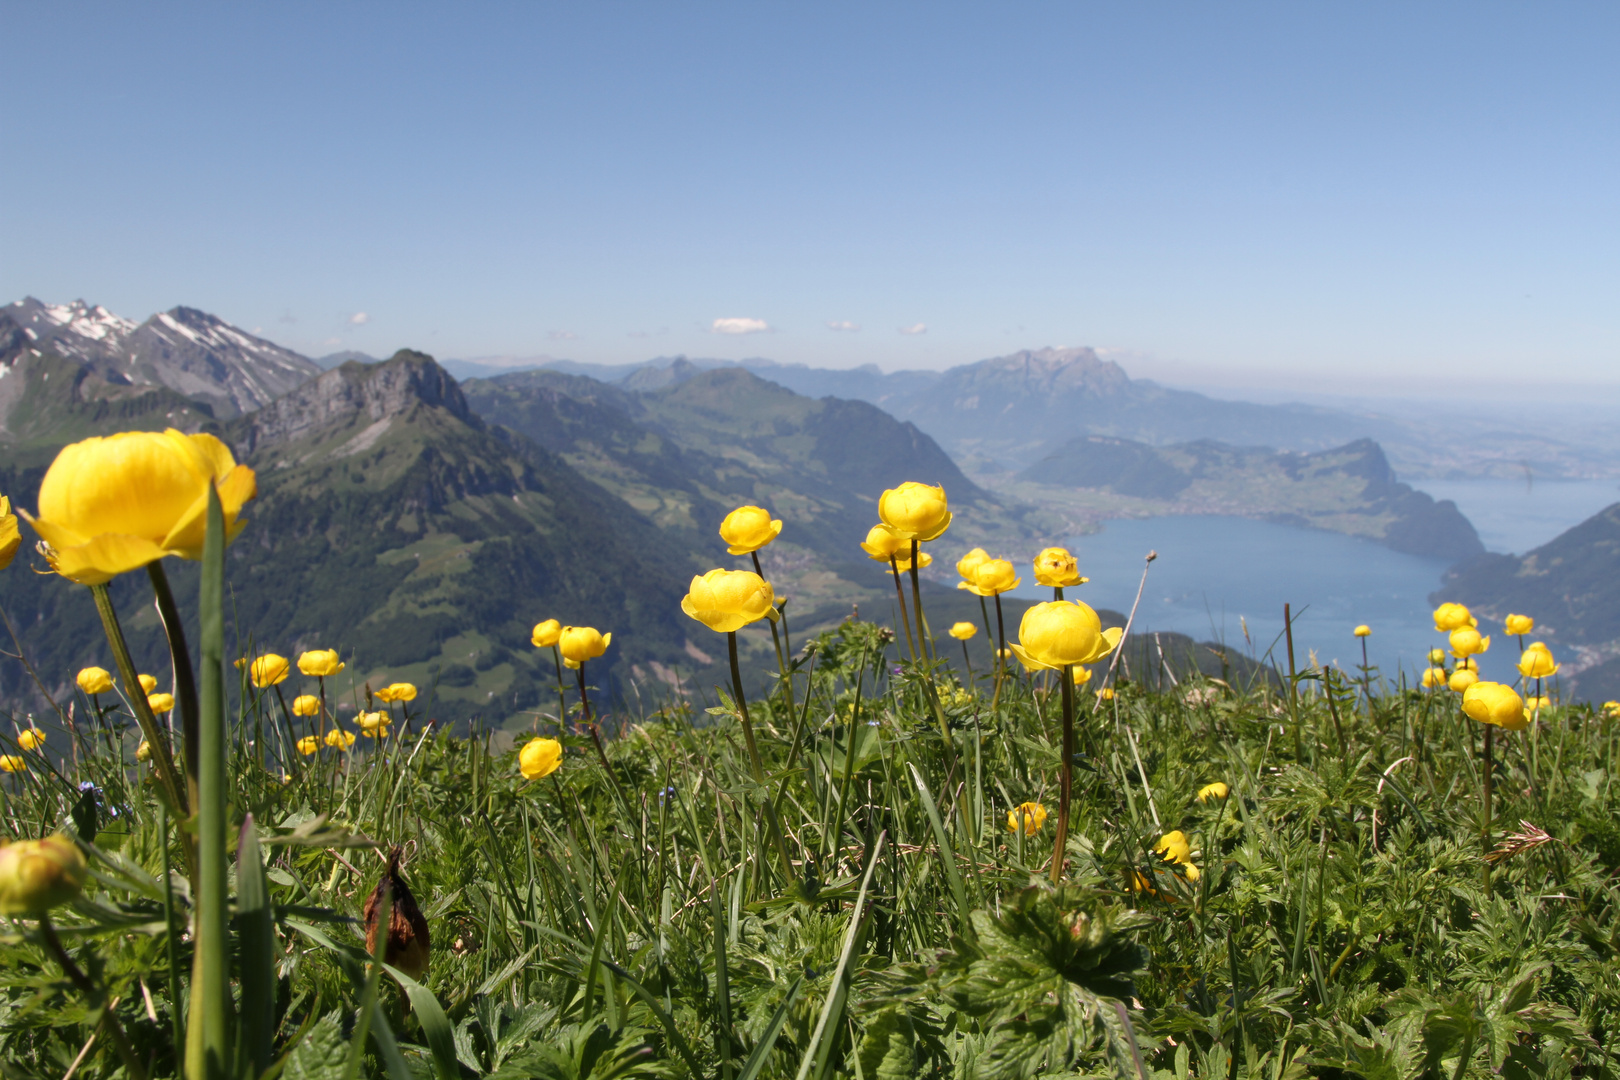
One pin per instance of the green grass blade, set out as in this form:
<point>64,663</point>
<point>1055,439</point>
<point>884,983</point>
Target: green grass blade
<point>368,993</point>
<point>382,1036</point>
<point>833,1007</point>
<point>256,953</point>
<point>767,1040</point>
<point>675,1037</point>
<point>441,1038</point>
<point>947,854</point>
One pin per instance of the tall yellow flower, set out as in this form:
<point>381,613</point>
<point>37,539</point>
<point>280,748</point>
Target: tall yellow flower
<point>115,503</point>
<point>539,758</point>
<point>1057,569</point>
<point>1030,815</point>
<point>966,563</point>
<point>268,670</point>
<point>31,738</point>
<point>308,745</point>
<point>10,537</point>
<point>400,691</point>
<point>991,577</point>
<point>882,544</point>
<point>748,528</point>
<point>727,600</point>
<point>160,703</point>
<point>1517,625</point>
<point>1537,662</point>
<point>1466,642</point>
<point>1363,630</point>
<point>13,763</point>
<point>1462,679</point>
<point>1449,617</point>
<point>1493,703</point>
<point>320,663</point>
<point>95,680</point>
<point>306,705</point>
<point>545,634</point>
<point>1063,632</point>
<point>915,511</point>
<point>37,875</point>
<point>581,643</point>
<point>963,631</point>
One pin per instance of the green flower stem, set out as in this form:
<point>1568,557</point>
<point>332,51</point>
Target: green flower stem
<point>596,738</point>
<point>1485,793</point>
<point>1061,843</point>
<point>157,739</point>
<point>900,595</point>
<point>916,599</point>
<point>89,989</point>
<point>562,697</point>
<point>1001,649</point>
<point>185,683</point>
<point>776,639</point>
<point>756,764</point>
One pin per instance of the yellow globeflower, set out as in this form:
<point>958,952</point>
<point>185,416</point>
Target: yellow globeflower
<point>116,503</point>
<point>1174,847</point>
<point>268,670</point>
<point>339,738</point>
<point>1493,703</point>
<point>94,680</point>
<point>1106,693</point>
<point>1217,790</point>
<point>143,752</point>
<point>1462,679</point>
<point>545,634</point>
<point>37,875</point>
<point>748,528</point>
<point>308,745</point>
<point>991,577</point>
<point>306,705</point>
<point>966,563</point>
<point>1449,617</point>
<point>148,683</point>
<point>1363,630</point>
<point>883,544</point>
<point>10,536</point>
<point>963,631</point>
<point>319,663</point>
<point>1030,815</point>
<point>1062,632</point>
<point>1082,675</point>
<point>540,757</point>
<point>160,703</point>
<point>1535,704</point>
<point>31,738</point>
<point>1057,569</point>
<point>1433,677</point>
<point>1537,662</point>
<point>373,724</point>
<point>915,511</point>
<point>581,643</point>
<point>400,691</point>
<point>1612,708</point>
<point>1437,657</point>
<point>13,763</point>
<point>727,600</point>
<point>1517,625</point>
<point>1465,642</point>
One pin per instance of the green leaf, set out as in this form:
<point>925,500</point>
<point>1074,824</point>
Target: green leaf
<point>319,1055</point>
<point>441,1037</point>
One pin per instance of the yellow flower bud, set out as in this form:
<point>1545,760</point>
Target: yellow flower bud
<point>1062,632</point>
<point>94,680</point>
<point>1217,790</point>
<point>581,643</point>
<point>963,631</point>
<point>1437,657</point>
<point>966,563</point>
<point>748,528</point>
<point>373,724</point>
<point>10,536</point>
<point>1082,675</point>
<point>915,511</point>
<point>1466,642</point>
<point>545,634</point>
<point>1173,846</point>
<point>306,705</point>
<point>160,703</point>
<point>31,738</point>
<point>319,663</point>
<point>1449,617</point>
<point>539,757</point>
<point>400,691</point>
<point>882,544</point>
<point>143,752</point>
<point>1056,568</point>
<point>1518,625</point>
<point>1106,693</point>
<point>13,763</point>
<point>1462,679</point>
<point>148,683</point>
<point>308,745</point>
<point>1537,662</point>
<point>728,600</point>
<point>268,670</point>
<point>991,577</point>
<point>1493,703</point>
<point>117,503</point>
<point>1433,677</point>
<point>339,738</point>
<point>37,875</point>
<point>1363,630</point>
<point>1030,815</point>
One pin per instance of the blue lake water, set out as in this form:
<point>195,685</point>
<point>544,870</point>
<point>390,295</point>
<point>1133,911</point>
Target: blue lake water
<point>1511,515</point>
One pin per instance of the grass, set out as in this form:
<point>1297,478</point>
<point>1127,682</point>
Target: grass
<point>1338,922</point>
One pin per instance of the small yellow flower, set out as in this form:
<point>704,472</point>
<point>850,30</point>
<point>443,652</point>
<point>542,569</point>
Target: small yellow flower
<point>915,511</point>
<point>1612,708</point>
<point>13,763</point>
<point>10,536</point>
<point>1056,568</point>
<point>990,578</point>
<point>37,875</point>
<point>581,643</point>
<point>373,724</point>
<point>1466,642</point>
<point>1106,693</point>
<point>1082,675</point>
<point>1217,790</point>
<point>1537,662</point>
<point>339,738</point>
<point>728,600</point>
<point>541,757</point>
<point>319,663</point>
<point>966,563</point>
<point>1518,625</point>
<point>1535,704</point>
<point>1062,632</point>
<point>1190,870</point>
<point>1434,676</point>
<point>1030,815</point>
<point>143,752</point>
<point>1363,630</point>
<point>1462,679</point>
<point>94,680</point>
<point>148,683</point>
<point>883,544</point>
<point>545,634</point>
<point>748,528</point>
<point>963,631</point>
<point>1437,657</point>
<point>1174,847</point>
<point>1493,703</point>
<point>400,691</point>
<point>1449,617</point>
<point>31,738</point>
<point>306,705</point>
<point>268,670</point>
<point>160,703</point>
<point>308,745</point>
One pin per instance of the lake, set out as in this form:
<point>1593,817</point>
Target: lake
<point>1511,515</point>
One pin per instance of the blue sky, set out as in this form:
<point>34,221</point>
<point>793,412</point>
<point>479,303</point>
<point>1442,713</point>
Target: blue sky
<point>1308,193</point>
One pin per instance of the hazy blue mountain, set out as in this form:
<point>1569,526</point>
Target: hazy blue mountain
<point>338,359</point>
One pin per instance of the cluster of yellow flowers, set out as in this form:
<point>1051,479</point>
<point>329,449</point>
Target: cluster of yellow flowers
<point>1488,702</point>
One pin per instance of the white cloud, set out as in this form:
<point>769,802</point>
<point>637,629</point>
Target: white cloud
<point>914,328</point>
<point>333,341</point>
<point>739,326</point>
<point>849,326</point>
<point>562,335</point>
<point>359,318</point>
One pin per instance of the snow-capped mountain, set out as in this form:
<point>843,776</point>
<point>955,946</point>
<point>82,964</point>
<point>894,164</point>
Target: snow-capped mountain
<point>186,350</point>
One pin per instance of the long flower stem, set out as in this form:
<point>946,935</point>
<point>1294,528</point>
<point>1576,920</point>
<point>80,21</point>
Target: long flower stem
<point>185,683</point>
<point>1061,843</point>
<point>900,596</point>
<point>756,764</point>
<point>596,738</point>
<point>1485,822</point>
<point>115,1030</point>
<point>916,600</point>
<point>776,639</point>
<point>1001,653</point>
<point>562,697</point>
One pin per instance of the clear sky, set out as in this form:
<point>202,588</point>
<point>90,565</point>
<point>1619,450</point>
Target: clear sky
<point>1357,193</point>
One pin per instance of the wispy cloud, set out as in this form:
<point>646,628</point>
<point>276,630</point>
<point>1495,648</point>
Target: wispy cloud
<point>333,341</point>
<point>914,328</point>
<point>359,318</point>
<point>844,326</point>
<point>739,326</point>
<point>562,335</point>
